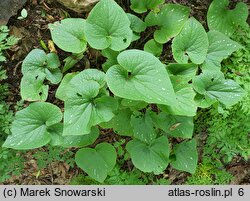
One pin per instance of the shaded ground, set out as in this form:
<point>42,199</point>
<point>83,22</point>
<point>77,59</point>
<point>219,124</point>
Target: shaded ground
<point>32,30</point>
<point>55,173</point>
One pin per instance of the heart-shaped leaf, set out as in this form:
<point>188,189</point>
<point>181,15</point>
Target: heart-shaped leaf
<point>33,89</point>
<point>214,86</point>
<point>30,128</point>
<point>37,63</point>
<point>220,47</point>
<point>108,26</point>
<point>141,6</point>
<point>170,20</point>
<point>132,78</point>
<point>88,74</point>
<point>151,157</point>
<point>98,162</point>
<point>84,106</point>
<point>220,18</point>
<point>191,43</point>
<point>81,114</point>
<point>186,156</point>
<point>68,35</point>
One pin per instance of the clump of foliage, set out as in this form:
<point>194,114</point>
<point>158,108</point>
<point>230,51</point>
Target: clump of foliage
<point>53,154</point>
<point>6,114</point>
<point>6,41</point>
<point>119,176</point>
<point>228,131</point>
<point>211,170</point>
<point>209,174</point>
<point>12,164</point>
<point>136,94</point>
<point>11,161</point>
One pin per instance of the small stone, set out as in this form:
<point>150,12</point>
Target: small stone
<point>79,6</point>
<point>9,8</point>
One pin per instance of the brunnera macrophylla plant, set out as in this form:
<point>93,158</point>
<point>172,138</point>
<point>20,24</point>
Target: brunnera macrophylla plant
<point>136,94</point>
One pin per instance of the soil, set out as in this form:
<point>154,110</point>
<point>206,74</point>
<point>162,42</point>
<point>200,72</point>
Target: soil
<point>32,30</point>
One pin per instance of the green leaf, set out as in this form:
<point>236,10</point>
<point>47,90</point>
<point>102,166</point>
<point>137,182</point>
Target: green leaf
<point>81,141</point>
<point>70,61</point>
<point>72,141</point>
<point>24,13</point>
<point>203,102</point>
<point>68,34</point>
<point>111,56</point>
<point>176,126</point>
<point>135,37</point>
<point>56,134</point>
<point>143,128</point>
<point>152,157</point>
<point>2,58</point>
<point>108,26</point>
<point>98,162</point>
<point>185,104</point>
<point>170,21</point>
<point>61,91</point>
<point>153,47</point>
<point>220,47</point>
<point>141,6</point>
<point>136,24</point>
<point>84,108</point>
<point>186,156</point>
<point>132,78</point>
<point>220,18</point>
<point>10,41</point>
<point>53,61</point>
<point>214,86</point>
<point>30,128</point>
<point>80,116</point>
<point>33,89</point>
<point>79,107</point>
<point>54,75</point>
<point>37,63</point>
<point>191,43</point>
<point>132,104</point>
<point>121,123</point>
<point>184,72</point>
<point>91,75</point>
